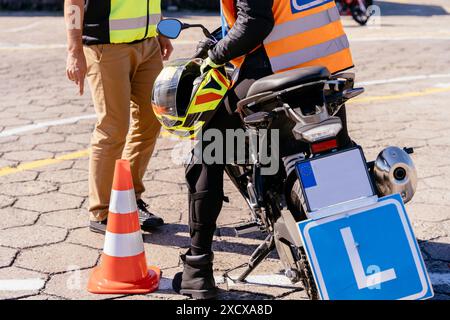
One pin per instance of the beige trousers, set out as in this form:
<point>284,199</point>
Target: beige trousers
<point>121,78</point>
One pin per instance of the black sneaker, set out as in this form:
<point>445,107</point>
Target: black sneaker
<point>147,219</point>
<point>98,226</point>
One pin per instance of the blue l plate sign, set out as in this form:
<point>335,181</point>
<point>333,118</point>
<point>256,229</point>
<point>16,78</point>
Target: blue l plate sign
<point>367,254</point>
<point>303,5</point>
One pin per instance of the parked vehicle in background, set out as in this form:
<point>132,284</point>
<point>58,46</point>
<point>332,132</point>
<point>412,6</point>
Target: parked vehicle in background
<point>358,9</point>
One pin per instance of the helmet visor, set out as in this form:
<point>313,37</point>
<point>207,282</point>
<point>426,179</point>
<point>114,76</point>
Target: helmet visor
<point>172,91</point>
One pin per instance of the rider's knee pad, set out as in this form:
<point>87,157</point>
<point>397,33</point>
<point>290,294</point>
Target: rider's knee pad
<point>204,209</point>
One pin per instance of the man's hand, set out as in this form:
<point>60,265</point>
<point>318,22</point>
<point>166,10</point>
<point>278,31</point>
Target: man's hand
<point>166,47</point>
<point>76,68</point>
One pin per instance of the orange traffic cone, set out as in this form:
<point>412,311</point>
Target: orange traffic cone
<point>123,268</point>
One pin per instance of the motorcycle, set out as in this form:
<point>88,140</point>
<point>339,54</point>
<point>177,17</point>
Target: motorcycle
<point>358,9</point>
<point>302,105</point>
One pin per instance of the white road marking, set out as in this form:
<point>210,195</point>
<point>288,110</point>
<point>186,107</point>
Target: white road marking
<point>404,79</point>
<point>166,283</point>
<point>185,41</point>
<point>404,38</point>
<point>31,127</point>
<point>23,28</point>
<point>29,46</point>
<point>256,280</point>
<point>39,125</point>
<point>262,280</point>
<point>282,281</point>
<point>442,85</point>
<point>21,284</point>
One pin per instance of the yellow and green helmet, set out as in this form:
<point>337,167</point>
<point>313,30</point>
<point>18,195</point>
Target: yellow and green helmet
<point>184,100</point>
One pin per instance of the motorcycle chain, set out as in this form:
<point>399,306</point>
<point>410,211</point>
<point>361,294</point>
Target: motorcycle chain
<point>307,277</point>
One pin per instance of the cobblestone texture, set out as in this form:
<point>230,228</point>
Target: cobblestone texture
<point>43,220</point>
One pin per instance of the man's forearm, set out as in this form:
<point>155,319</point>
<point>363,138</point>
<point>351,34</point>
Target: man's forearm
<point>73,16</point>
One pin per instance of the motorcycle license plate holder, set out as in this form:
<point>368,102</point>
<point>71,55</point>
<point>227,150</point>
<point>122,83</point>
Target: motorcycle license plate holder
<point>335,183</point>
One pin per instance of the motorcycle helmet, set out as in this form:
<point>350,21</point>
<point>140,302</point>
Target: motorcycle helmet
<point>184,100</point>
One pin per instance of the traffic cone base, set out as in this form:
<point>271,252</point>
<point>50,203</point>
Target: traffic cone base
<point>100,285</point>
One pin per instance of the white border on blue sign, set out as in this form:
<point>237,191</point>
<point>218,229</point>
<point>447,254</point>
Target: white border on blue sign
<point>423,275</point>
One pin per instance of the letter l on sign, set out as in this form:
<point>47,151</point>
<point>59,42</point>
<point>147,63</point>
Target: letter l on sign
<point>362,280</point>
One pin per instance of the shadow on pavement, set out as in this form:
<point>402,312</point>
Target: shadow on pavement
<point>165,288</point>
<point>437,261</point>
<point>437,251</point>
<point>177,235</point>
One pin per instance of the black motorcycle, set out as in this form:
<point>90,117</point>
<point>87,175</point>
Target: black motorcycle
<point>302,105</point>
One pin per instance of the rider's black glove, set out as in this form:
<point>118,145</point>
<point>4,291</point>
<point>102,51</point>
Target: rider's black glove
<point>203,47</point>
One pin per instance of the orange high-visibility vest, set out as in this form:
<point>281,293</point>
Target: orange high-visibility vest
<point>306,33</point>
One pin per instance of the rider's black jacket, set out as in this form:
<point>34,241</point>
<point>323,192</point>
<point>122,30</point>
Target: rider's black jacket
<point>254,23</point>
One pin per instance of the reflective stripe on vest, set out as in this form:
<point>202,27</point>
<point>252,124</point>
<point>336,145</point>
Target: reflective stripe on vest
<point>303,35</point>
<point>300,57</point>
<point>133,20</point>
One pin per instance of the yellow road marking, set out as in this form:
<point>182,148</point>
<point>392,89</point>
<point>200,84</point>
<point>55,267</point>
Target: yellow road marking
<point>84,153</point>
<point>42,163</point>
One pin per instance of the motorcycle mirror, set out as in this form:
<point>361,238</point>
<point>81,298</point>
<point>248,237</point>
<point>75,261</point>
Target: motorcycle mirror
<point>170,28</point>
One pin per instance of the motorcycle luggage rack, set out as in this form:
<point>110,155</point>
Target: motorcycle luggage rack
<point>265,97</point>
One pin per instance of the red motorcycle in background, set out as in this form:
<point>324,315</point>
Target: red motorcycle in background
<point>358,9</point>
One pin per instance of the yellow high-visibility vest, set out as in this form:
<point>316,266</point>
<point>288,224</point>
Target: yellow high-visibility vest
<point>131,20</point>
<point>306,33</point>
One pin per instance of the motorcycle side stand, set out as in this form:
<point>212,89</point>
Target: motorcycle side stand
<point>258,256</point>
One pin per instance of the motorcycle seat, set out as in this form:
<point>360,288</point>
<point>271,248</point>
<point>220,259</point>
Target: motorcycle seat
<point>288,79</point>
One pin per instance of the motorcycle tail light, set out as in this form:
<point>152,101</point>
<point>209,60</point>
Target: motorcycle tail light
<point>322,132</point>
<point>323,146</point>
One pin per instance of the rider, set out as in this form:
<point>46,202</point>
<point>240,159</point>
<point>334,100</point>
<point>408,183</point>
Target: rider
<point>263,37</point>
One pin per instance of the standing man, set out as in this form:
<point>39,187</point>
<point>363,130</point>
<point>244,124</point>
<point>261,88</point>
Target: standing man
<point>115,45</point>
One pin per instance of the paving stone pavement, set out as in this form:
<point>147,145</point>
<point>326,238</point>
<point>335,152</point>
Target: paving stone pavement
<point>43,219</point>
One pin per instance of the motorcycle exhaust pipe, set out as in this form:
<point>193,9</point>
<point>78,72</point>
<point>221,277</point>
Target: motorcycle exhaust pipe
<point>394,172</point>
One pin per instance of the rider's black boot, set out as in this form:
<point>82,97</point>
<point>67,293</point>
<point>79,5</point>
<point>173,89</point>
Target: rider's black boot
<point>197,278</point>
